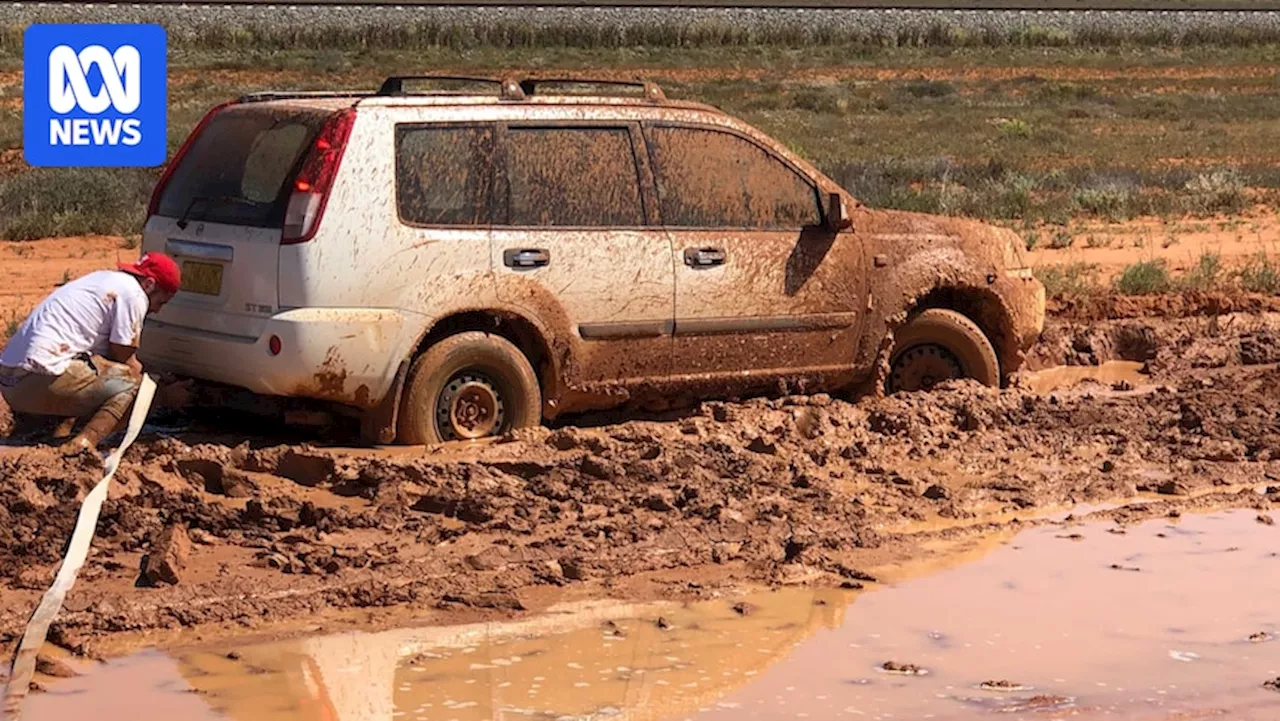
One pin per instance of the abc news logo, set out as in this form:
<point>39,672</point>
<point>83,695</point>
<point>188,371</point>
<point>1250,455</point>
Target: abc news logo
<point>94,95</point>
<point>69,89</point>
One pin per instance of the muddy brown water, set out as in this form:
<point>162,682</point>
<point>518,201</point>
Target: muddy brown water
<point>1078,621</point>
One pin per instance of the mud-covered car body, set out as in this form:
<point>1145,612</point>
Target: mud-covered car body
<point>635,249</point>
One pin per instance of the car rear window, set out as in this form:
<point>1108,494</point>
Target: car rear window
<point>238,169</point>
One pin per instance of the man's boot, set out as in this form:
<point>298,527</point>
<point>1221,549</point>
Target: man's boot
<point>64,428</point>
<point>102,424</point>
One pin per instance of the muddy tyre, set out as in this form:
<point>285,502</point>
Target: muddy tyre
<point>939,345</point>
<point>468,386</point>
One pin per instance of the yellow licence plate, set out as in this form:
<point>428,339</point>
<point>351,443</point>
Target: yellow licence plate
<point>203,278</point>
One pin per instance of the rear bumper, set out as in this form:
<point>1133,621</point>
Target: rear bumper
<point>342,355</point>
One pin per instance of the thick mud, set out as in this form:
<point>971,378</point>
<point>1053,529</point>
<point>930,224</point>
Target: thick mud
<point>808,491</point>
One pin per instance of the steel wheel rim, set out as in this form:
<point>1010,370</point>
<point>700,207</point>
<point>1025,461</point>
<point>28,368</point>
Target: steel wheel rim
<point>470,407</point>
<point>921,367</point>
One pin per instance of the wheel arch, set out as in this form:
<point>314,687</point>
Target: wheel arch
<point>986,309</point>
<point>524,332</point>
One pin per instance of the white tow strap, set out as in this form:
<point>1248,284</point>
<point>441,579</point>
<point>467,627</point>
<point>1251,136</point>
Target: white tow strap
<point>24,659</point>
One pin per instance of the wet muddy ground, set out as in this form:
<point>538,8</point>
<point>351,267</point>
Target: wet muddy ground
<point>205,540</point>
<point>1161,619</point>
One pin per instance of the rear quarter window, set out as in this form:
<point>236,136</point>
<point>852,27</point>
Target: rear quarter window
<point>239,169</point>
<point>444,174</point>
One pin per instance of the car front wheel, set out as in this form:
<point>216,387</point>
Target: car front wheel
<point>939,345</point>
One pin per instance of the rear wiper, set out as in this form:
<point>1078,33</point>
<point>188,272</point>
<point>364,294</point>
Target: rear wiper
<point>212,201</point>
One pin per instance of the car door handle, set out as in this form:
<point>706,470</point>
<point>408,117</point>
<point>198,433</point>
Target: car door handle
<point>525,257</point>
<point>701,257</point>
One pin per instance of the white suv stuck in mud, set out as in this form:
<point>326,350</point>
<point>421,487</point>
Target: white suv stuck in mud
<point>452,265</point>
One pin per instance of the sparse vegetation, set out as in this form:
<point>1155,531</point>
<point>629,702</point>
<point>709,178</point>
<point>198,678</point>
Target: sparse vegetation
<point>12,324</point>
<point>47,202</point>
<point>1109,201</point>
<point>1260,275</point>
<point>1207,274</point>
<point>1221,191</point>
<point>1068,282</point>
<point>1144,278</point>
<point>1061,239</point>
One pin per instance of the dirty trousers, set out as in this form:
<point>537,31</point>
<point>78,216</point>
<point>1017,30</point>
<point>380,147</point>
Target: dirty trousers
<point>89,384</point>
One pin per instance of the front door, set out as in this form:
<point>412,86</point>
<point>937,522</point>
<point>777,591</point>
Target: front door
<point>763,290</point>
<point>572,244</point>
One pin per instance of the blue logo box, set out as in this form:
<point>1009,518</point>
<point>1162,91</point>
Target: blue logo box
<point>94,95</point>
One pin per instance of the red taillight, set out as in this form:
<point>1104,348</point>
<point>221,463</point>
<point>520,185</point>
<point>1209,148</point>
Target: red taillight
<point>274,345</point>
<point>154,205</point>
<point>315,179</point>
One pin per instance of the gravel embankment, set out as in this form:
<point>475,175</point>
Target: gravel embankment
<point>614,25</point>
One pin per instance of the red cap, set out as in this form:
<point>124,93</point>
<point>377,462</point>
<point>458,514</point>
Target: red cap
<point>158,267</point>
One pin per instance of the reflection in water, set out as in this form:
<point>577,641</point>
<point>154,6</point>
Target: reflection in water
<point>1049,621</point>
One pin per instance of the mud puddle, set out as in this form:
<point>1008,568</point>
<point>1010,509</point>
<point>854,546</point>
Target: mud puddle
<point>1173,618</point>
<point>1121,375</point>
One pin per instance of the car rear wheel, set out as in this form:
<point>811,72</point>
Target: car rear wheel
<point>939,345</point>
<point>468,386</point>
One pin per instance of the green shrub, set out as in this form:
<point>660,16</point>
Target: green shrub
<point>1108,201</point>
<point>1144,278</point>
<point>1068,281</point>
<point>930,89</point>
<point>12,324</point>
<point>1207,273</point>
<point>1015,128</point>
<point>818,99</point>
<point>1222,191</point>
<point>1260,275</point>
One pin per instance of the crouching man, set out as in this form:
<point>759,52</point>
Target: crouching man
<point>74,354</point>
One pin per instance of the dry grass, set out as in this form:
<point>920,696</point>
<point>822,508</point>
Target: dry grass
<point>1019,136</point>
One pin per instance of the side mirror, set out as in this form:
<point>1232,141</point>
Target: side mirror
<point>837,215</point>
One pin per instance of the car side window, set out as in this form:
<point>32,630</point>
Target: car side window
<point>572,176</point>
<point>714,179</point>
<point>444,174</point>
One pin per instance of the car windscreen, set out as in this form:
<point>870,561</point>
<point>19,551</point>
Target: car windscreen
<point>238,169</point>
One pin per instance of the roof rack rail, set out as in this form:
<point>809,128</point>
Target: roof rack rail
<point>508,89</point>
<point>652,92</point>
<point>265,95</point>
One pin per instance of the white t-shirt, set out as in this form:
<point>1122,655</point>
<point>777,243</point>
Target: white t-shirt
<point>83,316</point>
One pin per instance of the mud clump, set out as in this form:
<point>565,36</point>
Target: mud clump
<point>170,553</point>
<point>307,468</point>
<point>1001,685</point>
<point>47,666</point>
<point>904,669</point>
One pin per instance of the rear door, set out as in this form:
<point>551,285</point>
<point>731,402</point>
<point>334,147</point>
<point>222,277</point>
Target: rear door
<point>222,211</point>
<point>762,288</point>
<point>572,244</point>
